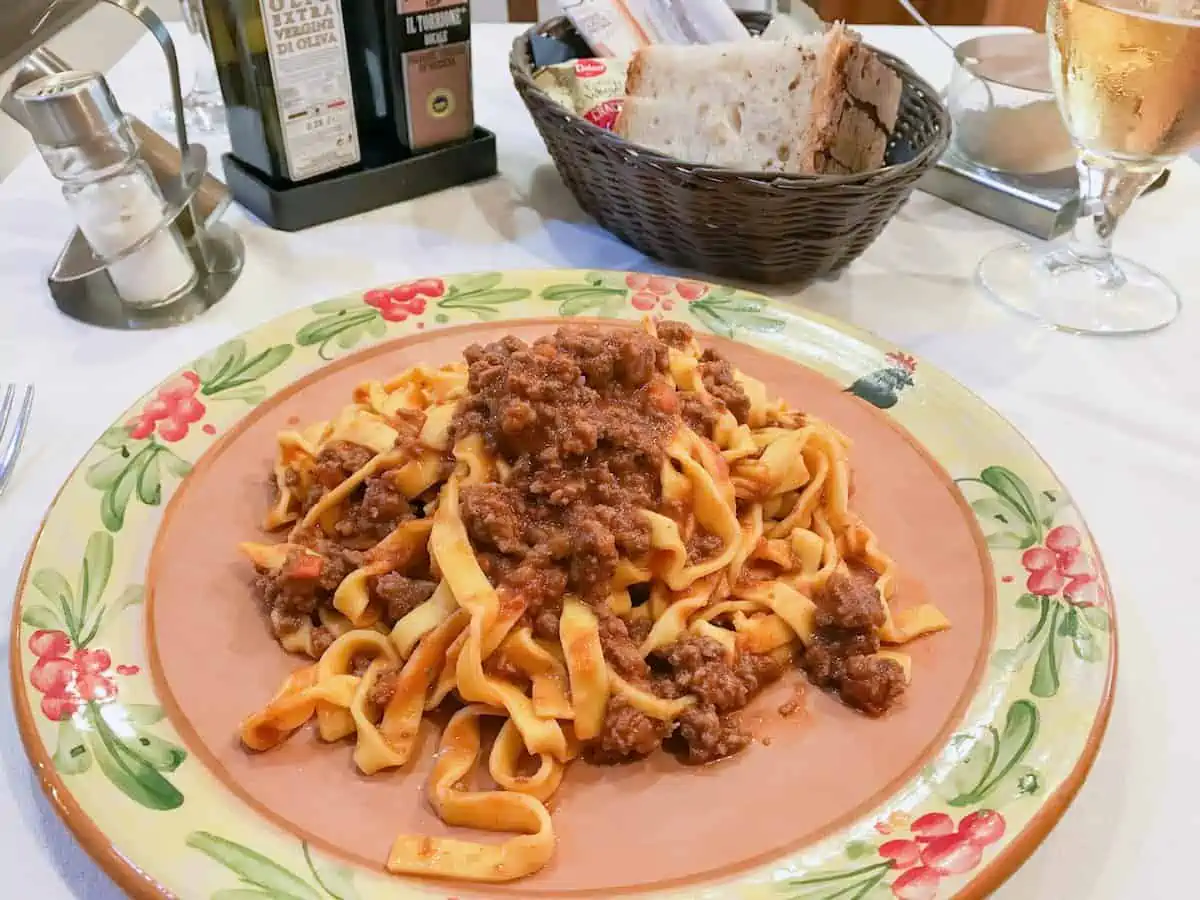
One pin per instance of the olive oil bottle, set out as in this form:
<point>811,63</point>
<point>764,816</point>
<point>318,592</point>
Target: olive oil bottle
<point>305,84</point>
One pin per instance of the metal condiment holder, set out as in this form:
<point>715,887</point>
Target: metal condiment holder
<point>80,283</point>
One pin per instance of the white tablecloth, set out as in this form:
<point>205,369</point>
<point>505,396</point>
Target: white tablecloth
<point>1116,418</point>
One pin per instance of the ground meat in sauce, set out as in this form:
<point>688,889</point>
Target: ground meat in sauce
<point>709,736</point>
<point>384,687</point>
<point>699,668</point>
<point>620,649</point>
<point>839,656</point>
<point>699,413</point>
<point>717,376</point>
<point>850,601</point>
<point>400,594</point>
<point>711,729</point>
<point>627,734</point>
<point>703,545</point>
<point>374,511</point>
<point>674,334</point>
<point>581,417</point>
<point>334,464</point>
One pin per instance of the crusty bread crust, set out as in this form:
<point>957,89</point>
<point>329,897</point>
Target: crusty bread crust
<point>855,106</point>
<point>827,109</point>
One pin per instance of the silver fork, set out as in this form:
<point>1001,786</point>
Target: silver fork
<point>10,440</point>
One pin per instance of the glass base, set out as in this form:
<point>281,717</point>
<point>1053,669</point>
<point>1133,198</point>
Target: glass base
<point>1061,291</point>
<point>199,115</point>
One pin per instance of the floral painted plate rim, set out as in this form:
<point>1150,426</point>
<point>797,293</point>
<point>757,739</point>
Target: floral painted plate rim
<point>107,758</point>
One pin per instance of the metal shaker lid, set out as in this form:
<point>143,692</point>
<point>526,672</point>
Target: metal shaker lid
<point>67,109</point>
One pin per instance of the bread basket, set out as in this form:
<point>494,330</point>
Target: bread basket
<point>770,229</point>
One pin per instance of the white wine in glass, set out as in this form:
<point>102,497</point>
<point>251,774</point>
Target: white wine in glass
<point>1127,77</point>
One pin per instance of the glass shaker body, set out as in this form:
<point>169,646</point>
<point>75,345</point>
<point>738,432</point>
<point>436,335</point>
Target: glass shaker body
<point>116,203</point>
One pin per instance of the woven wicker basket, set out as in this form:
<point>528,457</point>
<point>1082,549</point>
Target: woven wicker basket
<point>770,229</point>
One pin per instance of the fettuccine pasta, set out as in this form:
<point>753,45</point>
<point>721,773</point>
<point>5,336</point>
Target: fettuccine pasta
<point>609,541</point>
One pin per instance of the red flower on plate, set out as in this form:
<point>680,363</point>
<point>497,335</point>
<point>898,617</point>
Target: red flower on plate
<point>648,292</point>
<point>172,411</point>
<point>398,303</point>
<point>1061,566</point>
<point>940,847</point>
<point>68,680</point>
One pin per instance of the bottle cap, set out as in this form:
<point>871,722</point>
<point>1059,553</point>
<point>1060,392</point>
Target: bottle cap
<point>68,109</point>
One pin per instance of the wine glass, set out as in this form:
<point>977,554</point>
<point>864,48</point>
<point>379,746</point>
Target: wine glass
<point>203,107</point>
<point>1127,77</point>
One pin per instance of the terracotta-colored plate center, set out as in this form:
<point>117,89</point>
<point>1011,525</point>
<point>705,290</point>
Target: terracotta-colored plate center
<point>636,826</point>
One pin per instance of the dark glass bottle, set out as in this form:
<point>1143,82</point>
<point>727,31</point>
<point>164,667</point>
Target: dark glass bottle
<point>305,85</point>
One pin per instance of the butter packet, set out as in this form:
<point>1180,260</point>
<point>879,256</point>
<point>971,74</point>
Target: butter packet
<point>591,88</point>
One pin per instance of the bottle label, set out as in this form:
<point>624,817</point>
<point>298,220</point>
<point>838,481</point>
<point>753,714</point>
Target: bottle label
<point>433,23</point>
<point>306,43</point>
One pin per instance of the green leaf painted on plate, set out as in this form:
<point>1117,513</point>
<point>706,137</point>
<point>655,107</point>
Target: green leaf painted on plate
<point>1006,540</point>
<point>95,569</point>
<point>143,715</point>
<point>1095,617</point>
<point>577,300</point>
<point>115,499</point>
<point>488,298</point>
<point>1045,679</point>
<point>71,755</point>
<point>155,751</point>
<point>614,280</point>
<point>250,370</point>
<point>334,879</point>
<point>376,327</point>
<point>40,617</point>
<point>115,438</point>
<point>325,329</point>
<point>105,473</point>
<point>51,585</point>
<point>131,596</point>
<point>1049,503</point>
<point>842,885</point>
<point>350,337</point>
<point>726,317</point>
<point>174,464</point>
<point>221,363</point>
<point>1068,624</point>
<point>1086,647</point>
<point>242,894</point>
<point>1016,493</point>
<point>1000,520</point>
<point>1028,601</point>
<point>996,754</point>
<point>485,313</point>
<point>129,772</point>
<point>473,284</point>
<point>252,867</point>
<point>250,394</point>
<point>149,483</point>
<point>859,849</point>
<point>330,307</point>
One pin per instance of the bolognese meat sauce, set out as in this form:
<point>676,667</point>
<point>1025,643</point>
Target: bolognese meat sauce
<point>581,419</point>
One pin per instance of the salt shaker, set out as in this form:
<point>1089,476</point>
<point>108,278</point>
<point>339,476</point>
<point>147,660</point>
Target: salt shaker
<point>89,146</point>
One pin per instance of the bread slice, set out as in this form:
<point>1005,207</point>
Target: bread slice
<point>816,104</point>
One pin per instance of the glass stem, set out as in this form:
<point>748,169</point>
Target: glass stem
<point>1107,188</point>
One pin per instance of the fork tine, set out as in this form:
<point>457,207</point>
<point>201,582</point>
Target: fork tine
<point>6,407</point>
<point>11,445</point>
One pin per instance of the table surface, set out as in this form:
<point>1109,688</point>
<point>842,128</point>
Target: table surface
<point>1110,416</point>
